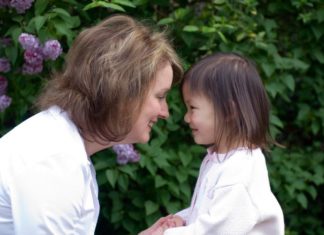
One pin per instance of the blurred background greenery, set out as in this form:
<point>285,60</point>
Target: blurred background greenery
<point>284,38</point>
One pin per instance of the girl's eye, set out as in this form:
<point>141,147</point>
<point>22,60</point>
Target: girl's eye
<point>192,107</point>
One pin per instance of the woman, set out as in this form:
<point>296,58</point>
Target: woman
<point>111,91</point>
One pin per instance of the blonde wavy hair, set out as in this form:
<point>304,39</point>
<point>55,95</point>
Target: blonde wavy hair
<point>108,72</point>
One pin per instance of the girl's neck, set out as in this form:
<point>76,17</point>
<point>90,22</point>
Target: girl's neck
<point>223,149</point>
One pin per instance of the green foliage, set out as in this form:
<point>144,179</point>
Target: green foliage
<point>282,37</point>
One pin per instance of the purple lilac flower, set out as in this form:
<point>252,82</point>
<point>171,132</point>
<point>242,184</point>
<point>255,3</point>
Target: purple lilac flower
<point>126,153</point>
<point>21,5</point>
<point>122,159</point>
<point>4,3</point>
<point>4,65</point>
<point>5,41</point>
<point>32,68</point>
<point>5,101</point>
<point>33,57</point>
<point>29,41</point>
<point>3,85</point>
<point>52,49</point>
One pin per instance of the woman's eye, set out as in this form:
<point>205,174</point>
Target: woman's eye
<point>161,97</point>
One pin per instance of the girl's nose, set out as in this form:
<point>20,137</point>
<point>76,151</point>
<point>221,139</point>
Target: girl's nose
<point>186,117</point>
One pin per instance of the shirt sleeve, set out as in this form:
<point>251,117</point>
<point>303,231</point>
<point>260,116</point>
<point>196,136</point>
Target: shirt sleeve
<point>47,198</point>
<point>184,213</point>
<point>230,212</point>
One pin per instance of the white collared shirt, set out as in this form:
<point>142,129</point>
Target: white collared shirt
<point>47,182</point>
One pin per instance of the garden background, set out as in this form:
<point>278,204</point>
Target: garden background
<point>284,38</point>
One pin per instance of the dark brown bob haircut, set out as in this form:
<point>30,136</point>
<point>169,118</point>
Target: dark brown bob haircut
<point>241,106</point>
<point>108,72</point>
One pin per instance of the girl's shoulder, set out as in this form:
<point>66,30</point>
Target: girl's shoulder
<point>239,167</point>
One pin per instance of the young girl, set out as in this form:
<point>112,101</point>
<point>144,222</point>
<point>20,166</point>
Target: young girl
<point>228,111</point>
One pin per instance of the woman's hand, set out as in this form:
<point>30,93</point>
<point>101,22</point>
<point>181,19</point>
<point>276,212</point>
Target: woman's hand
<point>163,224</point>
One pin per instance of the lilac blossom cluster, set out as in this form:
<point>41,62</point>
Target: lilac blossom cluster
<point>5,100</point>
<point>5,41</point>
<point>20,5</point>
<point>126,153</point>
<point>35,53</point>
<point>4,65</point>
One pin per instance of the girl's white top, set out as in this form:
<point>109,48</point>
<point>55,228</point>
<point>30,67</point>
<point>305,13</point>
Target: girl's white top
<point>47,182</point>
<point>232,197</point>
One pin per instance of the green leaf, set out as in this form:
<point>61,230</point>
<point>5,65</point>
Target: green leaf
<point>116,216</point>
<point>276,121</point>
<point>150,207</point>
<point>304,111</point>
<point>317,31</point>
<point>123,182</point>
<point>104,4</point>
<point>129,225</point>
<point>39,22</point>
<point>14,31</point>
<point>124,3</point>
<point>289,81</point>
<point>302,200</point>
<point>268,69</point>
<point>61,12</point>
<point>159,181</point>
<point>320,15</point>
<point>173,188</point>
<point>208,30</point>
<point>219,2</point>
<point>165,196</point>
<point>173,207</point>
<point>161,161</point>
<point>298,64</point>
<point>40,6</point>
<point>319,55</point>
<point>101,179</point>
<point>138,202</point>
<point>181,13</point>
<point>181,176</point>
<point>190,28</point>
<point>12,53</point>
<point>112,176</point>
<point>186,190</point>
<point>312,191</point>
<point>222,36</point>
<point>165,21</point>
<point>315,127</point>
<point>128,169</point>
<point>185,158</point>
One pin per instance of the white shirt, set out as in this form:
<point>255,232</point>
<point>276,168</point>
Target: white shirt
<point>47,182</point>
<point>232,197</point>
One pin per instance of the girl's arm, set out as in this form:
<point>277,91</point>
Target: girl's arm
<point>230,211</point>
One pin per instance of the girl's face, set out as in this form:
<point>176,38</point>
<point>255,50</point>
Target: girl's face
<point>200,117</point>
<point>154,106</point>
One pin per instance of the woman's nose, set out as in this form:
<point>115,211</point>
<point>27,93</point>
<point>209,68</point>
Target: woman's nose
<point>164,113</point>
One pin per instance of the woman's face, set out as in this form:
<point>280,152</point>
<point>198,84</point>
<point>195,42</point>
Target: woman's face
<point>154,106</point>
